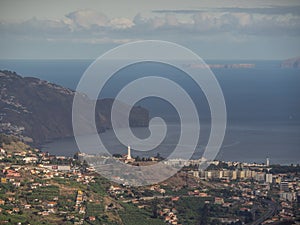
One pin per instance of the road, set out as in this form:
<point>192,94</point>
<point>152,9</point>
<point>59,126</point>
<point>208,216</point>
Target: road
<point>272,208</point>
<point>160,197</point>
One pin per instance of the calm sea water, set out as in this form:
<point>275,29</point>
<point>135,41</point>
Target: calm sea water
<point>262,105</point>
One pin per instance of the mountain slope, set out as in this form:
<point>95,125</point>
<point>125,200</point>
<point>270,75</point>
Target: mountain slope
<point>42,111</point>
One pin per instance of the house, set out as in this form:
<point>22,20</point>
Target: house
<point>57,167</point>
<point>244,209</point>
<point>30,159</point>
<point>174,210</point>
<point>167,218</point>
<point>82,210</point>
<point>227,205</point>
<point>16,210</point>
<point>2,202</point>
<point>27,206</point>
<point>12,173</point>
<point>92,218</point>
<point>51,204</point>
<point>45,213</point>
<point>162,191</point>
<point>219,201</point>
<point>203,194</point>
<point>175,198</point>
<point>166,210</point>
<point>2,151</point>
<point>17,184</point>
<point>79,198</point>
<point>11,199</point>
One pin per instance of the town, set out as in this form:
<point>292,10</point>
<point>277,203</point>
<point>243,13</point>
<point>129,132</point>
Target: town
<point>39,188</point>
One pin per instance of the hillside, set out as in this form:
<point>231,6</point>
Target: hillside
<point>42,111</point>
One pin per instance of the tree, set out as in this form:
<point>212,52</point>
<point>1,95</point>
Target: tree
<point>159,157</point>
<point>155,208</point>
<point>117,155</point>
<point>204,215</point>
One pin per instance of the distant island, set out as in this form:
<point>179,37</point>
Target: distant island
<point>222,66</point>
<point>291,63</point>
<point>40,111</point>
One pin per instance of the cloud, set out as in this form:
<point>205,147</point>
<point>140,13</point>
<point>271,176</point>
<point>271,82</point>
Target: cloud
<point>266,21</point>
<point>168,20</point>
<point>271,10</point>
<point>86,19</point>
<point>278,10</point>
<point>171,20</point>
<point>77,26</point>
<point>121,23</point>
<point>178,11</point>
<point>248,24</point>
<point>236,23</point>
<point>89,26</point>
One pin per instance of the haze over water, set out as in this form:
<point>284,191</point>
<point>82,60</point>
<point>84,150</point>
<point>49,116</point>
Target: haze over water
<point>262,105</point>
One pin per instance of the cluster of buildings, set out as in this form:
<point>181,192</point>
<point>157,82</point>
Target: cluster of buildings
<point>79,206</point>
<point>169,216</point>
<point>249,183</point>
<point>127,158</point>
<point>252,181</point>
<point>282,188</point>
<point>8,128</point>
<point>30,170</point>
<point>241,174</point>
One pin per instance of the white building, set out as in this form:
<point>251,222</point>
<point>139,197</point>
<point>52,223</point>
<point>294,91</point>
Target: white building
<point>58,167</point>
<point>129,153</point>
<point>30,159</point>
<point>268,162</point>
<point>288,196</point>
<point>269,178</point>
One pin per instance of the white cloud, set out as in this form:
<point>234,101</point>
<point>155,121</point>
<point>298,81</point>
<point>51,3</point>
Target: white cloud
<point>86,19</point>
<point>171,19</point>
<point>82,24</point>
<point>247,24</point>
<point>244,19</point>
<point>121,23</point>
<point>154,22</point>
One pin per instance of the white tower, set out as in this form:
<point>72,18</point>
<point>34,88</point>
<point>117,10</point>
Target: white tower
<point>268,162</point>
<point>128,152</point>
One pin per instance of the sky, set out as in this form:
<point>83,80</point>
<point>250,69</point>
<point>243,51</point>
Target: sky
<point>85,29</point>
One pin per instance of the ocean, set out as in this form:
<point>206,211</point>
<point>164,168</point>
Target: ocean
<point>263,107</point>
